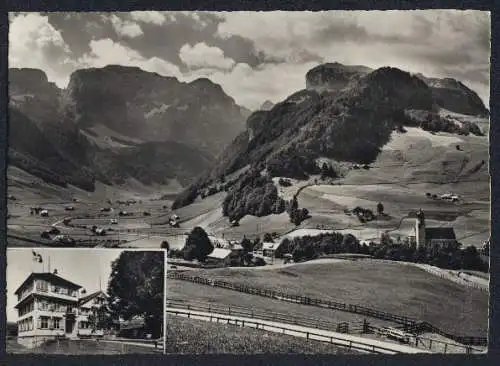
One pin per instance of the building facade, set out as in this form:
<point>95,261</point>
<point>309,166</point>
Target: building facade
<point>51,307</point>
<point>428,237</point>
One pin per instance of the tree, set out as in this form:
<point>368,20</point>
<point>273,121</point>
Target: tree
<point>268,238</point>
<point>380,208</point>
<point>101,318</point>
<point>198,245</point>
<point>247,245</point>
<point>164,245</point>
<point>135,288</point>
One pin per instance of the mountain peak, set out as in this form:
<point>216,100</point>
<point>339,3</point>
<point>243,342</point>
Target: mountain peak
<point>27,74</point>
<point>267,105</point>
<point>333,76</point>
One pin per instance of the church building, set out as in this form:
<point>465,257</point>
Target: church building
<point>428,237</point>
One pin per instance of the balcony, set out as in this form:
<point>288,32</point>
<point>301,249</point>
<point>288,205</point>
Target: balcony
<point>58,295</point>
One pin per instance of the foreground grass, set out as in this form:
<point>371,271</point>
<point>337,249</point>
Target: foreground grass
<point>191,336</point>
<point>386,286</point>
<point>79,347</point>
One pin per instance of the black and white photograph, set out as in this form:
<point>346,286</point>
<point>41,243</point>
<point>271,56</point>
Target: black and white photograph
<point>80,301</point>
<point>319,181</point>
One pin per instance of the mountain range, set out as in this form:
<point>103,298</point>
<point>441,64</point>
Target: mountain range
<point>118,123</point>
<point>345,115</point>
<point>115,123</point>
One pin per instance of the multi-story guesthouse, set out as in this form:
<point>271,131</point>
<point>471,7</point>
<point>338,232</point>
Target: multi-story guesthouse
<point>51,307</point>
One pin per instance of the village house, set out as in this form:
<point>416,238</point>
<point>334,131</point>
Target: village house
<point>51,307</point>
<point>220,256</point>
<point>428,237</point>
<point>271,250</point>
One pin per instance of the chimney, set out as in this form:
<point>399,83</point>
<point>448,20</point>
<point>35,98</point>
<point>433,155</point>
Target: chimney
<point>55,271</point>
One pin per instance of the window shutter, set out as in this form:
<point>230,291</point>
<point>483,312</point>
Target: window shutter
<point>39,323</point>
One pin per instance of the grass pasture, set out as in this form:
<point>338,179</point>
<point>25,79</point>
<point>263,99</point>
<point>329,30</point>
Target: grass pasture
<point>385,286</point>
<point>188,291</point>
<point>191,336</point>
<point>81,347</point>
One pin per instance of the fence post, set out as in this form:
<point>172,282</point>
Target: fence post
<point>445,347</point>
<point>430,343</point>
<point>307,335</point>
<point>468,350</point>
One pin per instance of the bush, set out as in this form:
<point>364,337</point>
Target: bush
<point>285,182</point>
<point>258,261</point>
<point>164,245</point>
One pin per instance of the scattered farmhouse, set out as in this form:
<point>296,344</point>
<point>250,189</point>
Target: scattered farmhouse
<point>270,249</point>
<point>220,256</point>
<point>51,307</point>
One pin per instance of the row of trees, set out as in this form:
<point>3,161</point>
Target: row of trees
<point>448,257</point>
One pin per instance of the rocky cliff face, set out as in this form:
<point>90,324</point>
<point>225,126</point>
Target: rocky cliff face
<point>333,76</point>
<point>454,96</point>
<point>149,127</point>
<point>155,108</point>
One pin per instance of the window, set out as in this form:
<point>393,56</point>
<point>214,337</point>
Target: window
<point>43,322</point>
<point>56,323</point>
<point>42,285</point>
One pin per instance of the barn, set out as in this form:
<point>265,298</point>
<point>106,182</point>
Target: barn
<point>220,256</point>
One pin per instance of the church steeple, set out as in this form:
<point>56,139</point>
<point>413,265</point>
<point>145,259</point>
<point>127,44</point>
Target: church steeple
<point>420,229</point>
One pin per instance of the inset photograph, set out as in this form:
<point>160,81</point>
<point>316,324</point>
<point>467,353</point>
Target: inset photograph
<point>80,301</point>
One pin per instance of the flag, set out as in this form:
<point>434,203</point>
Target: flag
<point>35,256</point>
<point>40,260</point>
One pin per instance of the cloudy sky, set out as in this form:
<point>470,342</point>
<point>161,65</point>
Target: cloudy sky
<point>255,56</point>
<point>81,266</point>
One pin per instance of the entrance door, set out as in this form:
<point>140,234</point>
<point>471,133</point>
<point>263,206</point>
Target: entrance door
<point>70,323</point>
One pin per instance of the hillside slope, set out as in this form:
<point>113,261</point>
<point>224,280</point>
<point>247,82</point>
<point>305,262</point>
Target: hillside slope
<point>346,116</point>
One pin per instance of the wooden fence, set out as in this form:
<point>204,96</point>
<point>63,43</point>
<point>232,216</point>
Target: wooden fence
<point>407,322</point>
<point>362,327</point>
<point>283,329</point>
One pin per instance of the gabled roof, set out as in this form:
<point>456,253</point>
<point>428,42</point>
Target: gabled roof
<point>48,276</point>
<point>87,298</point>
<point>219,253</point>
<point>270,245</point>
<point>440,233</point>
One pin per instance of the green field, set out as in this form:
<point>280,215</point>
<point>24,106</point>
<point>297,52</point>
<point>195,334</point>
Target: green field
<point>385,286</point>
<point>190,336</point>
<point>188,291</point>
<point>80,347</point>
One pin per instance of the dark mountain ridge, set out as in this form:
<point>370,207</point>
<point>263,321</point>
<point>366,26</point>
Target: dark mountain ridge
<point>173,128</point>
<point>345,114</point>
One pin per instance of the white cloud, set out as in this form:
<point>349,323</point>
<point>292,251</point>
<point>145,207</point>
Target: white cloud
<point>202,56</point>
<point>153,17</point>
<point>251,87</point>
<point>125,28</point>
<point>433,42</point>
<point>107,52</point>
<point>35,43</point>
